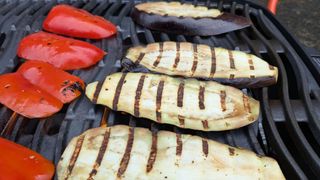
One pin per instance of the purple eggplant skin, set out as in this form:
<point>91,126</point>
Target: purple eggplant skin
<point>240,83</point>
<point>190,26</point>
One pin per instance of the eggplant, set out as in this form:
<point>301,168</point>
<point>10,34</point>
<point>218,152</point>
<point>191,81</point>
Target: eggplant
<point>186,103</point>
<point>186,19</point>
<point>203,62</point>
<point>123,152</point>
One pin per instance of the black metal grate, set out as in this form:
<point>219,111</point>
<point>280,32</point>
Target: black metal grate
<point>289,125</point>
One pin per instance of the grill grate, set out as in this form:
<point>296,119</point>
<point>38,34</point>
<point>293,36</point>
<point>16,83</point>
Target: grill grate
<point>289,124</point>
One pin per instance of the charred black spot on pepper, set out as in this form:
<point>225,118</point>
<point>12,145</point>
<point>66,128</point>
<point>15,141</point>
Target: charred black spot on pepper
<point>66,82</point>
<point>42,100</point>
<point>73,88</point>
<point>49,43</point>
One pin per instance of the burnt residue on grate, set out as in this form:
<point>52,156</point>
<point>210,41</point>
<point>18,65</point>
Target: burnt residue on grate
<point>288,128</point>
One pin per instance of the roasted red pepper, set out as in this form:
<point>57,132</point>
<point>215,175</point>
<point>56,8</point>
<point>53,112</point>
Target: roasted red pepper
<point>63,53</point>
<point>57,82</point>
<point>21,96</point>
<point>70,21</point>
<point>18,162</point>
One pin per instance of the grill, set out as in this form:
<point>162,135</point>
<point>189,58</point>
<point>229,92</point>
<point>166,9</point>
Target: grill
<point>288,128</point>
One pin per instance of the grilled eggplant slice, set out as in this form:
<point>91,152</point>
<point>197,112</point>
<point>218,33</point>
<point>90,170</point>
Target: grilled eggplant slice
<point>122,152</point>
<point>185,59</point>
<point>186,19</point>
<point>186,103</point>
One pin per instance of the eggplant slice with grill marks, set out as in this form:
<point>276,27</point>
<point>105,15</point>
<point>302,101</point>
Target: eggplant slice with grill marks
<point>200,61</point>
<point>187,19</point>
<point>123,152</point>
<point>186,103</point>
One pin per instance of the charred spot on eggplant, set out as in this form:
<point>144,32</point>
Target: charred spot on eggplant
<point>186,19</point>
<point>203,62</point>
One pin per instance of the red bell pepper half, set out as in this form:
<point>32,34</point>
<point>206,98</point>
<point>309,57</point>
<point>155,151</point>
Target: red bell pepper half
<point>21,96</point>
<point>61,52</point>
<point>18,162</point>
<point>70,21</point>
<point>57,82</point>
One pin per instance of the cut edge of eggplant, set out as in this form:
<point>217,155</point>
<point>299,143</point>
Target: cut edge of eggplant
<point>190,26</point>
<point>257,82</point>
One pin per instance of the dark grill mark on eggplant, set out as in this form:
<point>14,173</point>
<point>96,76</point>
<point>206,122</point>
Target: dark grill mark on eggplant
<point>155,64</point>
<point>246,103</point>
<point>250,62</point>
<point>205,147</point>
<point>201,97</point>
<point>195,58</point>
<point>75,155</point>
<point>138,96</point>
<point>179,145</point>
<point>158,100</point>
<point>232,65</point>
<point>213,62</point>
<point>177,59</point>
<point>231,76</point>
<point>205,124</point>
<point>101,153</point>
<point>126,156</point>
<point>153,152</point>
<point>252,76</point>
<point>271,67</point>
<point>223,100</point>
<point>180,95</point>
<point>231,151</point>
<point>118,91</point>
<point>141,55</point>
<point>181,120</point>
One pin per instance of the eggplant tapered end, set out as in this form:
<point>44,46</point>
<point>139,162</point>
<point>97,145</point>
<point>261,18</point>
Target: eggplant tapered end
<point>133,67</point>
<point>228,22</point>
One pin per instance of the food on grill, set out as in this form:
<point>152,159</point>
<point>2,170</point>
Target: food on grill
<point>54,81</point>
<point>234,68</point>
<point>122,152</point>
<point>187,103</point>
<point>18,162</point>
<point>63,53</point>
<point>21,96</point>
<point>70,21</point>
<point>187,19</point>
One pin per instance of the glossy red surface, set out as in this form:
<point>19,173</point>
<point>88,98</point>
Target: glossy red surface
<point>26,99</point>
<point>70,21</point>
<point>61,52</point>
<point>57,82</point>
<point>18,162</point>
